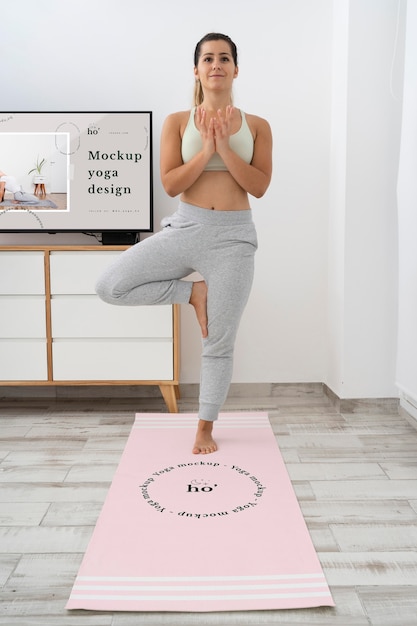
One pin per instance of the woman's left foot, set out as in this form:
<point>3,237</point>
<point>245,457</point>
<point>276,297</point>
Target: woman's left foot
<point>204,442</point>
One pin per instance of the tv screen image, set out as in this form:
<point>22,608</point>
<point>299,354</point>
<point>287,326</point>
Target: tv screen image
<point>76,171</point>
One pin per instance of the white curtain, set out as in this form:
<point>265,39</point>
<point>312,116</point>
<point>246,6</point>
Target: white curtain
<point>406,375</point>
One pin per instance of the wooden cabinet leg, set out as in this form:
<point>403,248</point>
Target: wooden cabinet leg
<point>170,397</point>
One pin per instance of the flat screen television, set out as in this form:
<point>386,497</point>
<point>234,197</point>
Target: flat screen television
<point>76,172</point>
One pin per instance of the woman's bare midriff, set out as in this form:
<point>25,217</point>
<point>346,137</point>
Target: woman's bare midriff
<point>217,191</point>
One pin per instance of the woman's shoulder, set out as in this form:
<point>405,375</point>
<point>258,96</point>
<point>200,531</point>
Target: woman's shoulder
<point>176,122</point>
<point>256,121</point>
<point>178,117</point>
<point>259,126</point>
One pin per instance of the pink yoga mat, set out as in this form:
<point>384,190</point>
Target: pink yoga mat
<point>186,532</point>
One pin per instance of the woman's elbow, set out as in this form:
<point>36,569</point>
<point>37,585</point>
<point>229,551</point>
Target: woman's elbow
<point>260,189</point>
<point>170,190</point>
<point>169,186</point>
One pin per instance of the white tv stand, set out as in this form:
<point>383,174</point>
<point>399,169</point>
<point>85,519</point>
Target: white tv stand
<point>56,331</point>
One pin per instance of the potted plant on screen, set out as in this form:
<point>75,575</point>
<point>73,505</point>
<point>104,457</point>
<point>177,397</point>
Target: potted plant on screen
<point>38,169</point>
<point>39,179</point>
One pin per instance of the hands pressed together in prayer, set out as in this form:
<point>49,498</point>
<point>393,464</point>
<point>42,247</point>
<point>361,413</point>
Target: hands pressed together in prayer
<point>215,132</point>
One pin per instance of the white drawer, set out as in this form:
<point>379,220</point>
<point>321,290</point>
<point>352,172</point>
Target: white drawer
<point>23,360</point>
<point>112,360</point>
<point>88,316</point>
<point>77,272</point>
<point>22,272</point>
<point>22,316</point>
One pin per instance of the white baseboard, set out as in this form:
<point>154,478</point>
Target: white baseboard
<point>408,402</point>
<point>409,408</point>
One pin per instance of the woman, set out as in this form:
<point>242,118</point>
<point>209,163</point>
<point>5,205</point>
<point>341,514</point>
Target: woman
<point>213,157</point>
<point>10,184</point>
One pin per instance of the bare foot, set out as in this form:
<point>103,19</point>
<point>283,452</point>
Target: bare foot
<point>198,299</point>
<point>204,442</point>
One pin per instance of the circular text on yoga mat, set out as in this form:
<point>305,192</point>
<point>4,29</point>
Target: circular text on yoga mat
<point>202,490</point>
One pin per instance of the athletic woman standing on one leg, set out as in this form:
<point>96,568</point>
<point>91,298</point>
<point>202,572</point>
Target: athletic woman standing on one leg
<point>212,157</point>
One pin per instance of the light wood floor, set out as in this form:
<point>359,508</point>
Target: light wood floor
<point>354,471</point>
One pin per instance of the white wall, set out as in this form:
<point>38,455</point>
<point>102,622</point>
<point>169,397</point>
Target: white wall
<point>83,55</point>
<point>337,199</point>
<point>363,243</point>
<point>406,374</point>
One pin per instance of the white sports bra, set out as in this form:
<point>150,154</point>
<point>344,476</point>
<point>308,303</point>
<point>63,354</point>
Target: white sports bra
<point>241,142</point>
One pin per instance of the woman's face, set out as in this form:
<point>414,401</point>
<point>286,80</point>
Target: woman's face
<point>216,68</point>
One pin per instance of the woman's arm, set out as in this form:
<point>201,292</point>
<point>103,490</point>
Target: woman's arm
<point>177,176</point>
<point>253,177</point>
<point>2,190</point>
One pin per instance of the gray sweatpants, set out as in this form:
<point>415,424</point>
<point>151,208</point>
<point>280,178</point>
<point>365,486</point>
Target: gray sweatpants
<point>26,198</point>
<point>219,245</point>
